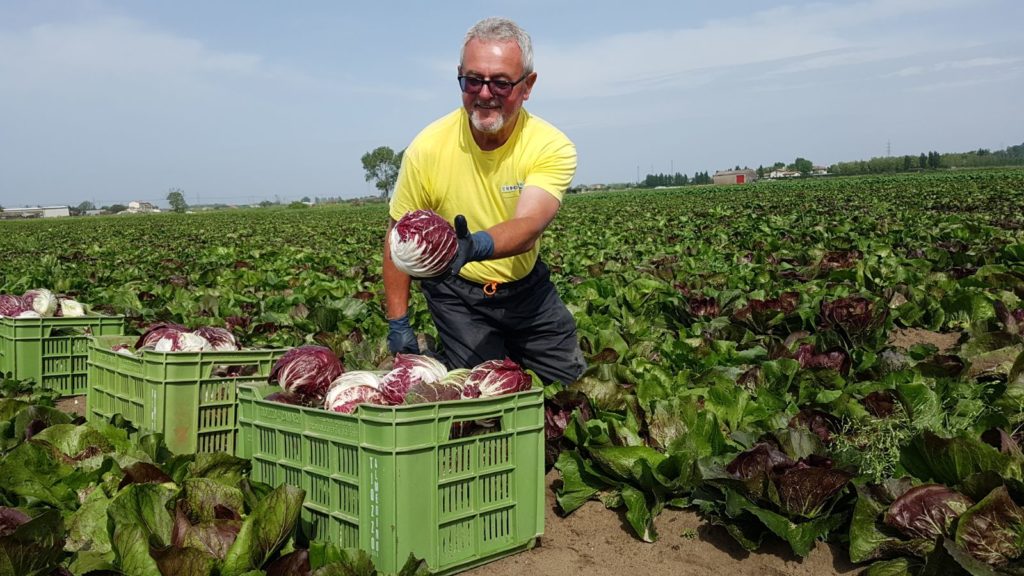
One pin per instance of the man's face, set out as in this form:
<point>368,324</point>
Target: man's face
<point>491,115</point>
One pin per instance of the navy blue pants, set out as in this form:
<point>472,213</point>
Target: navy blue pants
<point>524,320</point>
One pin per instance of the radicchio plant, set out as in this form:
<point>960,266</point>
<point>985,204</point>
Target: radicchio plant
<point>345,399</point>
<point>42,301</point>
<point>854,317</point>
<point>410,369</point>
<point>154,333</point>
<point>927,511</point>
<point>422,244</point>
<point>219,338</point>
<point>306,370</point>
<point>177,341</point>
<point>70,308</point>
<point>356,378</point>
<point>835,359</point>
<point>11,306</point>
<point>496,377</point>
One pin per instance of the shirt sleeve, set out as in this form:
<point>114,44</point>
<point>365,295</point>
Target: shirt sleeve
<point>410,189</point>
<point>555,168</point>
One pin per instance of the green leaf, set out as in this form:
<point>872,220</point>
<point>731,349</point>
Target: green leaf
<point>221,467</point>
<point>575,490</point>
<point>951,460</point>
<point>264,531</point>
<point>638,514</point>
<point>34,548</point>
<point>87,526</point>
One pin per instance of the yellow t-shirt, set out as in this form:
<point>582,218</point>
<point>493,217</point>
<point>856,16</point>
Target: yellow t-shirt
<point>444,170</point>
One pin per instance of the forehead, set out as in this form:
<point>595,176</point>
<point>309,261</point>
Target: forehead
<point>492,58</point>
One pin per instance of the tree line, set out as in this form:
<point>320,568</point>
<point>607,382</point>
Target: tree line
<point>980,158</point>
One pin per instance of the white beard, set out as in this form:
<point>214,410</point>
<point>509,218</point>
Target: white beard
<point>489,126</point>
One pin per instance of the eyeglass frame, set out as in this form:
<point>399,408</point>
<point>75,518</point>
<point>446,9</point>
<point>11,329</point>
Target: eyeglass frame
<point>464,79</point>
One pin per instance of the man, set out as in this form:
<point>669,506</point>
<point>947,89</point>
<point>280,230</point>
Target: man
<point>491,167</point>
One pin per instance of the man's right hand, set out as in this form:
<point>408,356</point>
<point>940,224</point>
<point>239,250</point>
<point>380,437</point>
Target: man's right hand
<point>401,338</point>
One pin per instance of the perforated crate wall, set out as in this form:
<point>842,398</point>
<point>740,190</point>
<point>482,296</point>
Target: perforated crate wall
<point>178,394</point>
<point>53,352</point>
<point>393,480</point>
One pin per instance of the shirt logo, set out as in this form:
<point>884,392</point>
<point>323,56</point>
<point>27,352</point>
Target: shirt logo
<point>512,188</point>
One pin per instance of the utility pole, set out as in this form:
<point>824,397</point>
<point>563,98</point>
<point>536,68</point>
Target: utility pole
<point>888,148</point>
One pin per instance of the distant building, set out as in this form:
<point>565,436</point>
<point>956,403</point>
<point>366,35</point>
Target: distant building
<point>136,207</point>
<point>744,176</point>
<point>781,173</point>
<point>37,212</point>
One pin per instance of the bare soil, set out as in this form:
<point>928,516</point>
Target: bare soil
<point>907,337</point>
<point>74,405</point>
<point>595,540</point>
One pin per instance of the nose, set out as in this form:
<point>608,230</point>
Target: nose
<point>486,86</point>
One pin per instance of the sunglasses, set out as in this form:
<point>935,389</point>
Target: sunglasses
<point>500,88</point>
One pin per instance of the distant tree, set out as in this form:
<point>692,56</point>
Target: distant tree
<point>908,162</point>
<point>176,198</point>
<point>381,167</point>
<point>266,204</point>
<point>934,160</point>
<point>298,204</point>
<point>922,161</point>
<point>760,171</point>
<point>115,208</point>
<point>803,166</point>
<point>778,165</point>
<point>85,207</point>
<point>305,199</point>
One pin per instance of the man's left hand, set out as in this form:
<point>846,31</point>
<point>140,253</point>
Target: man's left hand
<point>472,247</point>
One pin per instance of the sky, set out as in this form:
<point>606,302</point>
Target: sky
<point>235,101</point>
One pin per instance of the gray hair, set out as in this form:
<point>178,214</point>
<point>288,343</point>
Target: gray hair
<point>501,30</point>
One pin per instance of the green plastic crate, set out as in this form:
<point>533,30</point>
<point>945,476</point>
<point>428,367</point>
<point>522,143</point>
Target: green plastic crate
<point>392,481</point>
<point>178,394</point>
<point>53,351</point>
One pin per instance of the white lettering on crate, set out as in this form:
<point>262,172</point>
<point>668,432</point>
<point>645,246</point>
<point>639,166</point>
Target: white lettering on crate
<point>342,428</point>
<point>374,469</point>
<point>279,415</point>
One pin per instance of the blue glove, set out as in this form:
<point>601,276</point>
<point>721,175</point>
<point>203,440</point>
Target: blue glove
<point>401,338</point>
<point>472,247</point>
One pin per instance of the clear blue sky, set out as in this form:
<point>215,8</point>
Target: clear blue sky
<point>238,101</point>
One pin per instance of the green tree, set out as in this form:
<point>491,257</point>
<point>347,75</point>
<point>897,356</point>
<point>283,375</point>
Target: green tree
<point>760,171</point>
<point>85,207</point>
<point>381,167</point>
<point>176,198</point>
<point>803,166</point>
<point>116,208</point>
<point>922,161</point>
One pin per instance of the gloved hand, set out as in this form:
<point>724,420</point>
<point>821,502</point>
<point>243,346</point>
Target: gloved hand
<point>401,338</point>
<point>472,247</point>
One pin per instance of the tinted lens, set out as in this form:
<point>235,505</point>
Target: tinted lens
<point>501,87</point>
<point>470,85</point>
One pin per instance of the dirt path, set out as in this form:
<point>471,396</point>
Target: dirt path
<point>596,541</point>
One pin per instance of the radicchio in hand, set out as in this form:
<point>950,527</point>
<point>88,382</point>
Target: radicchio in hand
<point>422,244</point>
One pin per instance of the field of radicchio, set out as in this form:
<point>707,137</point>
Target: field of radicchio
<point>824,359</point>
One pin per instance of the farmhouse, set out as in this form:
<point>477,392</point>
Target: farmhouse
<point>744,176</point>
<point>135,207</point>
<point>37,212</point>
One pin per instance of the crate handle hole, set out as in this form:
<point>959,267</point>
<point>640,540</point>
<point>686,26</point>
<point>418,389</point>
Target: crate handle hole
<point>480,426</point>
<point>233,370</point>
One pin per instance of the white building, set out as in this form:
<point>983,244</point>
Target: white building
<point>136,207</point>
<point>36,212</point>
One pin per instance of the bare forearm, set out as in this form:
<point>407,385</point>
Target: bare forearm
<point>515,236</point>
<point>396,284</point>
